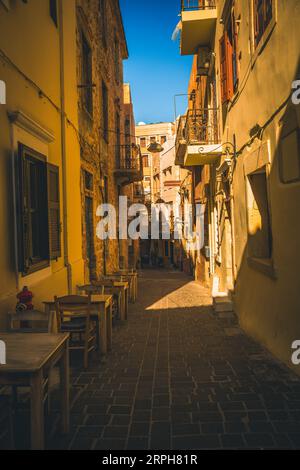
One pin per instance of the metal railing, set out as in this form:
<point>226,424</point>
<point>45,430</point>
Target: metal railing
<point>129,157</point>
<point>199,127</point>
<point>198,4</point>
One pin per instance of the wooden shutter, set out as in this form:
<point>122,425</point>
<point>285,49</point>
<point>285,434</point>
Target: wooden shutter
<point>226,70</point>
<point>21,172</point>
<point>54,211</point>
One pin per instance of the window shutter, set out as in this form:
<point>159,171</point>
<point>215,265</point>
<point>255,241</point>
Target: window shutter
<point>54,211</point>
<point>223,69</point>
<point>226,69</point>
<point>22,210</point>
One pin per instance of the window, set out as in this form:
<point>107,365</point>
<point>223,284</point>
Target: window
<point>105,195</point>
<point>118,138</point>
<point>163,139</point>
<point>263,14</point>
<point>53,10</point>
<point>87,82</point>
<point>260,236</point>
<point>38,211</point>
<point>145,161</point>
<point>117,59</point>
<point>103,22</point>
<point>89,233</point>
<point>105,111</point>
<point>229,59</point>
<point>127,130</point>
<point>289,158</point>
<point>153,140</point>
<point>143,142</point>
<point>88,181</point>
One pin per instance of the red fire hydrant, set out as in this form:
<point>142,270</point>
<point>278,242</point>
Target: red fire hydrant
<point>25,299</point>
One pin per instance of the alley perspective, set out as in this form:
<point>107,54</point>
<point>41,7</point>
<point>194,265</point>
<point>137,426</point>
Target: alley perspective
<point>149,214</point>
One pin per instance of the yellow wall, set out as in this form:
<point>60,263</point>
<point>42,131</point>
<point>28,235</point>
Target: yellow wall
<point>268,309</point>
<point>29,38</point>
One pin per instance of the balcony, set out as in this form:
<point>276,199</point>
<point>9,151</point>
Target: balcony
<point>199,18</point>
<point>129,168</point>
<point>198,141</point>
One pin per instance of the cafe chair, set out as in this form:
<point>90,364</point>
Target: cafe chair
<point>90,289</point>
<point>73,313</point>
<point>107,285</point>
<point>29,321</point>
<point>6,423</point>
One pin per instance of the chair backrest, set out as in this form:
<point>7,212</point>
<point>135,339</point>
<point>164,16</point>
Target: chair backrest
<point>72,306</point>
<point>91,289</point>
<point>102,283</point>
<point>29,321</point>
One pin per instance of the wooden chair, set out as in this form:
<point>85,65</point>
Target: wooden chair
<point>6,423</point>
<point>74,317</point>
<point>30,321</point>
<point>90,289</point>
<point>106,283</point>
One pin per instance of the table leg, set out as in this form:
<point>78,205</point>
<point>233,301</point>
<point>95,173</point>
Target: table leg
<point>123,305</point>
<point>131,290</point>
<point>126,303</point>
<point>102,329</point>
<point>136,286</point>
<point>37,411</point>
<point>64,371</point>
<point>109,326</point>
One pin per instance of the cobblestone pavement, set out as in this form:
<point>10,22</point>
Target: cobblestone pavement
<point>180,377</point>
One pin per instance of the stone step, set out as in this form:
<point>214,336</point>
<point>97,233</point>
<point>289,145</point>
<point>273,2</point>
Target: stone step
<point>222,304</point>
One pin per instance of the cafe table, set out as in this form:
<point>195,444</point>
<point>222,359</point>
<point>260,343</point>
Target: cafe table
<point>29,360</point>
<point>132,278</point>
<point>103,314</point>
<point>113,282</point>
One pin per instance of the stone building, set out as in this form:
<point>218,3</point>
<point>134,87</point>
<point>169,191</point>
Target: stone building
<point>241,137</point>
<point>145,135</point>
<point>106,126</point>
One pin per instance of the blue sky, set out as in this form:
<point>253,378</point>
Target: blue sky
<point>155,69</point>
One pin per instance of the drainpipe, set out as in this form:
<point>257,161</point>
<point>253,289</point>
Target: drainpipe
<point>63,149</point>
<point>233,256</point>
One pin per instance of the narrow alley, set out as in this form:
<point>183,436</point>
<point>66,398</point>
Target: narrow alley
<point>181,377</point>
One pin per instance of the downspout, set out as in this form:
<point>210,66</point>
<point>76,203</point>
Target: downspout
<point>233,256</point>
<point>63,150</point>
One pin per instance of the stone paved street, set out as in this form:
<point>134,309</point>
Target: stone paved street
<point>180,377</point>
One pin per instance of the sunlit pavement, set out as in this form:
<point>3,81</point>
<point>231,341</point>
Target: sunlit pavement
<point>180,377</point>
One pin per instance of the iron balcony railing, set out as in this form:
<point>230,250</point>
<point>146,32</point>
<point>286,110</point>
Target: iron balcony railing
<point>188,5</point>
<point>198,127</point>
<point>128,158</point>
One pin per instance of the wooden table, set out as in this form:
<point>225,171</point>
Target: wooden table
<point>33,318</point>
<point>30,357</point>
<point>103,314</point>
<point>132,278</point>
<point>119,286</point>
